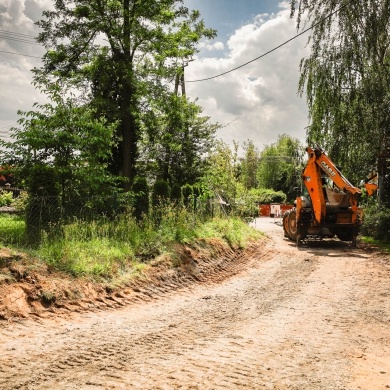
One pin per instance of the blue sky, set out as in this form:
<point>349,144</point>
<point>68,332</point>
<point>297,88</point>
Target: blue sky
<point>226,15</point>
<point>257,102</point>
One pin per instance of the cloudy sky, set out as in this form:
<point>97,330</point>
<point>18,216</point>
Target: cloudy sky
<point>257,102</point>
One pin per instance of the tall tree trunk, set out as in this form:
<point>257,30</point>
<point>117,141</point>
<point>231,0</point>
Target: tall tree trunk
<point>129,130</point>
<point>384,172</point>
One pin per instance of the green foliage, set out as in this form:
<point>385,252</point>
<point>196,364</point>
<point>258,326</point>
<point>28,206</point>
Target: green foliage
<point>246,208</point>
<point>249,165</point>
<point>119,248</point>
<point>223,171</point>
<point>187,194</point>
<point>43,210</point>
<point>231,230</point>
<point>176,138</point>
<point>121,55</point>
<point>99,247</point>
<point>176,194</point>
<point>43,181</point>
<point>280,166</point>
<point>346,80</point>
<point>141,197</point>
<point>6,198</point>
<point>107,249</point>
<point>66,136</point>
<point>13,229</point>
<point>265,196</point>
<point>20,203</point>
<point>376,223</point>
<point>246,205</point>
<point>160,192</point>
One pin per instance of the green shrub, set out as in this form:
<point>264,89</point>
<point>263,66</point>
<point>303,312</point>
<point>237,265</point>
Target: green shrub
<point>6,198</point>
<point>187,194</point>
<point>20,203</point>
<point>265,195</point>
<point>43,210</point>
<point>141,198</point>
<point>376,223</point>
<point>176,195</point>
<point>160,192</point>
<point>246,209</point>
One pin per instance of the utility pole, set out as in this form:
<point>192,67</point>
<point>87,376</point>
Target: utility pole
<point>181,80</point>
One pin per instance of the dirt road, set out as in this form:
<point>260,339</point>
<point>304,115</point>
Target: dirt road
<point>317,317</point>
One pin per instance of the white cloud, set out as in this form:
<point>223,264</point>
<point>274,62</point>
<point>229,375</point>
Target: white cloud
<point>211,46</point>
<point>17,92</point>
<point>262,94</point>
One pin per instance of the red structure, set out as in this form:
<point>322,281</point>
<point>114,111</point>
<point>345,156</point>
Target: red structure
<point>265,209</point>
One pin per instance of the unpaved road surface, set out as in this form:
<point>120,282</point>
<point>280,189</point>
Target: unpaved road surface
<point>317,317</point>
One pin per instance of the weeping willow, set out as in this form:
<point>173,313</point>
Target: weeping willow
<point>346,79</point>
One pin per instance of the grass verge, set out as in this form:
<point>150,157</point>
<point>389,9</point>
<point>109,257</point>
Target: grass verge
<point>382,245</point>
<point>121,248</point>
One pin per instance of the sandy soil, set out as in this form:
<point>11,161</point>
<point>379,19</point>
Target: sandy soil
<point>275,317</point>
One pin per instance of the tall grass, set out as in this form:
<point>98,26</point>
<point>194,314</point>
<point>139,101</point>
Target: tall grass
<point>231,230</point>
<point>111,247</point>
<point>12,229</point>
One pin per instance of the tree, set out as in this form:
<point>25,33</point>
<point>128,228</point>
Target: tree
<point>280,165</point>
<point>249,165</point>
<point>161,192</point>
<point>68,137</point>
<point>177,138</point>
<point>141,198</point>
<point>113,51</point>
<point>223,171</point>
<point>347,82</point>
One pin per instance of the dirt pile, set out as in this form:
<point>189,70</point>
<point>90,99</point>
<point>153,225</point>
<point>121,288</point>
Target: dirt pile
<point>31,289</point>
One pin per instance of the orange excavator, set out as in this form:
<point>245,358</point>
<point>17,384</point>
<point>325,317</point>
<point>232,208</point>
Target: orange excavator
<point>329,205</point>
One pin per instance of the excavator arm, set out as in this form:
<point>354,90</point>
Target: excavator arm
<point>327,166</point>
<point>319,162</point>
<point>311,177</point>
<point>371,184</point>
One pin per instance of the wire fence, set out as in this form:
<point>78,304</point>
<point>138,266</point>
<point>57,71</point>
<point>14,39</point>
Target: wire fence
<point>26,219</point>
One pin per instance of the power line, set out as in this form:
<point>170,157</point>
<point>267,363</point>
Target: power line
<point>19,40</point>
<point>275,48</point>
<point>18,37</point>
<point>16,33</point>
<point>18,54</point>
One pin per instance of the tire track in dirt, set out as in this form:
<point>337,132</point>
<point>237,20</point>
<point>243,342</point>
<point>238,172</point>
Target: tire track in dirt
<point>289,319</point>
<point>156,341</point>
<point>159,280</point>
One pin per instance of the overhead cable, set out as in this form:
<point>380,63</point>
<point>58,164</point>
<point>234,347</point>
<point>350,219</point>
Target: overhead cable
<point>17,39</point>
<point>16,33</point>
<point>275,48</point>
<point>19,54</point>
